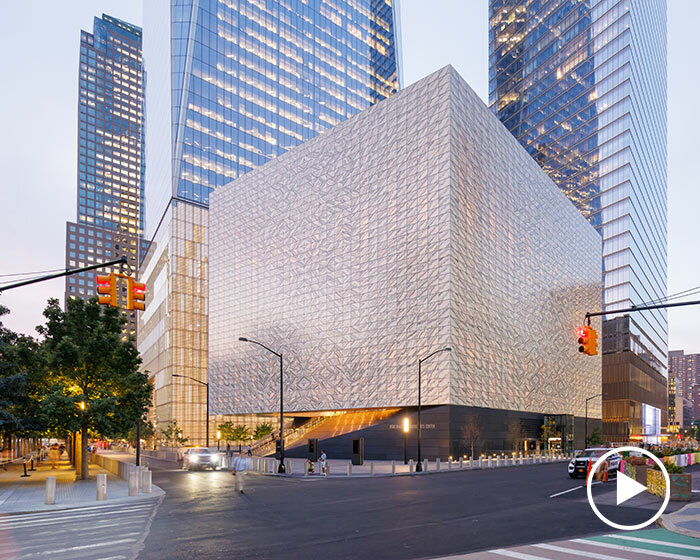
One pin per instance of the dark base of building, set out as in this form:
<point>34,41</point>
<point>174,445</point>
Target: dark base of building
<point>453,431</point>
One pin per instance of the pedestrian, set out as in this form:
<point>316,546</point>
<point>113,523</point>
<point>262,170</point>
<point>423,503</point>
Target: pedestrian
<point>54,455</point>
<point>250,451</point>
<point>322,461</point>
<point>241,464</point>
<point>228,450</point>
<point>61,449</point>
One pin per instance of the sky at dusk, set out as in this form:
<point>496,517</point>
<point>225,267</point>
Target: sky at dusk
<point>39,42</point>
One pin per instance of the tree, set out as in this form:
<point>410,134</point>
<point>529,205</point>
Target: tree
<point>93,381</point>
<point>173,434</point>
<point>595,438</point>
<point>240,433</point>
<point>697,433</point>
<point>516,432</point>
<point>262,430</point>
<point>21,376</point>
<point>471,433</point>
<point>226,430</point>
<point>549,430</point>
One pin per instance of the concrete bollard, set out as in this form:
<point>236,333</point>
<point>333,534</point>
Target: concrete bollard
<point>146,482</point>
<point>101,486</point>
<point>50,493</point>
<point>349,469</point>
<point>133,483</point>
<point>410,466</point>
<point>488,461</point>
<point>498,461</point>
<point>140,471</point>
<point>393,467</point>
<point>471,463</point>
<point>328,468</point>
<point>425,465</point>
<point>289,466</point>
<point>449,464</point>
<point>437,464</point>
<point>461,462</point>
<point>481,462</point>
<point>371,469</point>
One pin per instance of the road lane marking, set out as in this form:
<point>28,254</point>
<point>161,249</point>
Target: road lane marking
<point>577,552</point>
<point>670,555</point>
<point>81,547</point>
<point>572,489</point>
<point>519,555</point>
<point>651,541</point>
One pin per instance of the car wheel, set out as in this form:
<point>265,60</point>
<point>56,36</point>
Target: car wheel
<point>572,475</point>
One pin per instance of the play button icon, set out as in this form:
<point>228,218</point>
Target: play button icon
<point>627,488</point>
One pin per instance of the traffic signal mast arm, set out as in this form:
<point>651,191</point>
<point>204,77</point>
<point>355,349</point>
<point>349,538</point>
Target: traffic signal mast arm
<point>641,308</point>
<point>67,272</point>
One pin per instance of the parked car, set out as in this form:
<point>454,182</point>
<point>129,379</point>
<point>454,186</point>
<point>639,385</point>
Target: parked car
<point>195,458</point>
<point>578,466</point>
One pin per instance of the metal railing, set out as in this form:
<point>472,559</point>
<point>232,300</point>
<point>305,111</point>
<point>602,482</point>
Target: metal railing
<point>269,446</point>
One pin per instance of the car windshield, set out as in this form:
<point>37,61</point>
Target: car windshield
<point>591,453</point>
<point>199,451</point>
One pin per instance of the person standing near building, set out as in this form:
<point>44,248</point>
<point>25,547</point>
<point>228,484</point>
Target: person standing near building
<point>241,464</point>
<point>322,461</point>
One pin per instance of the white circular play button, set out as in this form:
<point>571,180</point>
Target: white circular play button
<point>628,488</point>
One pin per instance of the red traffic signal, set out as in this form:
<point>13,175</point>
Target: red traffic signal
<point>107,285</point>
<point>588,340</point>
<point>136,295</point>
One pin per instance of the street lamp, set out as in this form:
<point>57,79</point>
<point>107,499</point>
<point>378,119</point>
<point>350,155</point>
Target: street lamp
<point>405,441</point>
<point>281,468</point>
<point>207,386</point>
<point>419,465</point>
<point>585,423</point>
<point>218,439</point>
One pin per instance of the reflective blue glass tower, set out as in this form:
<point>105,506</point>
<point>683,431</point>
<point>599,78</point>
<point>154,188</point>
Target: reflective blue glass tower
<point>110,201</point>
<point>582,85</point>
<point>231,85</point>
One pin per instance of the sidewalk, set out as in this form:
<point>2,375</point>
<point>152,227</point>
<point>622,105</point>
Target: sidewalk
<point>19,494</point>
<point>685,521</point>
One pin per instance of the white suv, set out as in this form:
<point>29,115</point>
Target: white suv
<point>579,465</point>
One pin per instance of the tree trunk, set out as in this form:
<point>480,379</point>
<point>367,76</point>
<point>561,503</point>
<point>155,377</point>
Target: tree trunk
<point>84,472</point>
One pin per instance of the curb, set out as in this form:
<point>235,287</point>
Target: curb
<point>667,521</point>
<point>157,493</point>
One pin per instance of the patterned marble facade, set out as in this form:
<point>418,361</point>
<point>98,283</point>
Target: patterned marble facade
<point>416,224</point>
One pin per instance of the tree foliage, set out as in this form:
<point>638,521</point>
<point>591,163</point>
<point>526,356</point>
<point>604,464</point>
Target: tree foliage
<point>262,430</point>
<point>172,434</point>
<point>89,362</point>
<point>21,376</point>
<point>595,438</point>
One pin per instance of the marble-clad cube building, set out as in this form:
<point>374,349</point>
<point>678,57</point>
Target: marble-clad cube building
<point>417,224</point>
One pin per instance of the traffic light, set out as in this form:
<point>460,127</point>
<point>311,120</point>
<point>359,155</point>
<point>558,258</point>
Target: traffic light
<point>588,340</point>
<point>137,294</point>
<point>107,285</point>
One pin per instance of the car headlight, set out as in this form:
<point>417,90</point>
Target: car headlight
<point>194,459</point>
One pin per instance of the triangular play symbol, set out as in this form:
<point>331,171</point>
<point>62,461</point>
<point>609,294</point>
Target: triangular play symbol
<point>627,488</point>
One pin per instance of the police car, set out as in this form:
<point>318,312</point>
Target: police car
<point>578,467</point>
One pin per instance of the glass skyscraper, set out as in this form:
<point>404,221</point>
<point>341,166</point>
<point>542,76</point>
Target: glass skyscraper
<point>582,85</point>
<point>231,85</point>
<point>110,156</point>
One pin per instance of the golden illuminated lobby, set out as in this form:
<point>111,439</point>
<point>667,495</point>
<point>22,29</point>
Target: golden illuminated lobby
<point>416,225</point>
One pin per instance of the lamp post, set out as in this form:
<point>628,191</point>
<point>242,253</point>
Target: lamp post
<point>585,423</point>
<point>419,465</point>
<point>207,386</point>
<point>218,440</point>
<point>281,468</point>
<point>405,441</point>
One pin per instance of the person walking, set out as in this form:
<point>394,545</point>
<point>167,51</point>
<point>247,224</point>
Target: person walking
<point>250,451</point>
<point>241,464</point>
<point>54,455</point>
<point>322,461</point>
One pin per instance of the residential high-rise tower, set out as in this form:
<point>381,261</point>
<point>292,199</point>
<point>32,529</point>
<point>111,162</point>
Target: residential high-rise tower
<point>582,86</point>
<point>233,84</point>
<point>110,156</point>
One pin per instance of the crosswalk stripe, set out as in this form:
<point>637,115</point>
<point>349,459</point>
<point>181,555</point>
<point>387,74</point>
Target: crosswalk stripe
<point>77,548</point>
<point>576,552</point>
<point>669,555</point>
<point>514,554</point>
<point>20,521</point>
<point>70,512</point>
<point>651,541</point>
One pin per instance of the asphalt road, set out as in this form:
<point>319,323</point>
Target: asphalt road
<point>401,517</point>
